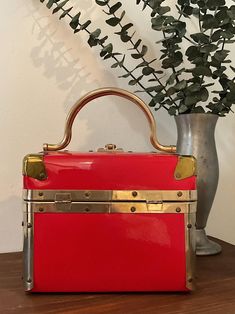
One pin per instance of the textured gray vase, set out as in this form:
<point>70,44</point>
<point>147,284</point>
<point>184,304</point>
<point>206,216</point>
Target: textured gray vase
<point>196,137</point>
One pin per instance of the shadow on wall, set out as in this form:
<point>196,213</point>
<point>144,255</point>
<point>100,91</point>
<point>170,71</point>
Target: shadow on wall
<point>225,140</point>
<point>57,54</point>
<point>11,214</point>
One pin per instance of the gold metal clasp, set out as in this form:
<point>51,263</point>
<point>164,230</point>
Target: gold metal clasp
<point>110,148</point>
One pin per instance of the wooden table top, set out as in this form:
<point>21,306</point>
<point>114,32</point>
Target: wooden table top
<point>215,292</point>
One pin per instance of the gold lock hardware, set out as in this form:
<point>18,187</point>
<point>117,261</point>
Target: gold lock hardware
<point>110,148</point>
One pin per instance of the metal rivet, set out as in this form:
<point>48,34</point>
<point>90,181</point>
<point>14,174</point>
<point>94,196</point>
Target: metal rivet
<point>40,193</point>
<point>178,175</point>
<point>189,226</point>
<point>29,225</point>
<point>133,209</point>
<point>179,194</point>
<point>178,210</point>
<point>190,279</point>
<point>41,209</point>
<point>134,193</point>
<point>42,175</point>
<point>87,194</point>
<point>22,224</point>
<point>87,209</point>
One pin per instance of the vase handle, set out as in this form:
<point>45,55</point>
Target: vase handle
<point>105,92</point>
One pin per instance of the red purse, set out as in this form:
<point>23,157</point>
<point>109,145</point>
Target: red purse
<point>108,220</point>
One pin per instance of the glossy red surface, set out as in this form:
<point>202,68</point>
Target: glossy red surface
<point>109,252</point>
<point>110,171</point>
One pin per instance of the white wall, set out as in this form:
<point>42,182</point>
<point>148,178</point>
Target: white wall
<point>44,70</point>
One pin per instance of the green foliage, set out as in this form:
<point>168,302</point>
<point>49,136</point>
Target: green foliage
<point>184,90</point>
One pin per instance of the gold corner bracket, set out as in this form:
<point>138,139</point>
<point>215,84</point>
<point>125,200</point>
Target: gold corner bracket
<point>186,167</point>
<point>34,167</point>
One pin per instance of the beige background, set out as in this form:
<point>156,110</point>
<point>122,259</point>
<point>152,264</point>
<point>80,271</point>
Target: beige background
<point>44,70</point>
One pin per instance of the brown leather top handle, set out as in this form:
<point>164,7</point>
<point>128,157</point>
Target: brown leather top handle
<point>105,92</point>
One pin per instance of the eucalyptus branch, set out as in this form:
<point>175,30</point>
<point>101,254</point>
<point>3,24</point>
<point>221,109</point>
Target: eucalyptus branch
<point>199,22</point>
<point>211,32</point>
<point>82,27</point>
<point>206,53</point>
<point>223,43</point>
<point>136,47</point>
<point>191,41</point>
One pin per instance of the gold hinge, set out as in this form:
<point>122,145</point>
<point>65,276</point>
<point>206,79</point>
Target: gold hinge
<point>63,201</point>
<point>33,166</point>
<point>186,167</point>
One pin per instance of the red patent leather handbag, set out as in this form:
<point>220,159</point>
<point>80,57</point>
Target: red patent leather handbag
<point>109,220</point>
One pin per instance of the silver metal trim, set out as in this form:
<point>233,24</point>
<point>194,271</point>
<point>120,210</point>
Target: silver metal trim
<point>113,207</point>
<point>190,247</point>
<point>28,231</point>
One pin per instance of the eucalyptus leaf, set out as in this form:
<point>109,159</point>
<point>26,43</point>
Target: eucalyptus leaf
<point>115,7</point>
<point>172,111</point>
<point>75,21</point>
<point>191,100</point>
<point>198,109</point>
<point>50,3</point>
<point>158,98</point>
<point>85,25</point>
<point>209,21</point>
<point>194,87</point>
<point>221,55</point>
<point>183,108</point>
<point>102,3</point>
<point>163,10</point>
<point>148,70</point>
<point>192,52</point>
<point>140,54</point>
<point>65,12</point>
<point>204,94</point>
<point>232,68</point>
<point>126,27</point>
<point>170,91</point>
<point>135,81</point>
<point>208,48</point>
<point>202,70</point>
<point>113,21</point>
<point>181,85</point>
<point>136,45</point>
<point>200,38</point>
<point>59,6</point>
<point>216,35</point>
<point>93,38</point>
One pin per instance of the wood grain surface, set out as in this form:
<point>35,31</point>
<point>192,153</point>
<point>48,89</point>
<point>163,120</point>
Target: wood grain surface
<point>215,292</point>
